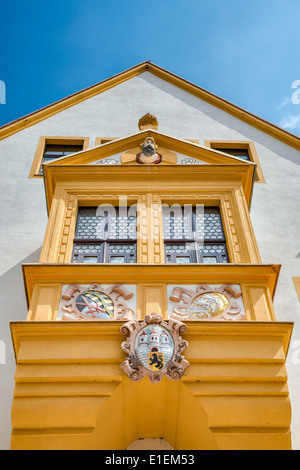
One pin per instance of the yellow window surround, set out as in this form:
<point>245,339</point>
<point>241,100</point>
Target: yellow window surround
<point>247,145</point>
<point>104,140</point>
<point>53,140</point>
<point>297,285</point>
<point>240,238</point>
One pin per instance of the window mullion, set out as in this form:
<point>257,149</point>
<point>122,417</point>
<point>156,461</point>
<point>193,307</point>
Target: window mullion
<point>195,239</point>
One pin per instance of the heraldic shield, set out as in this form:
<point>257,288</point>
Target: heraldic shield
<point>154,348</point>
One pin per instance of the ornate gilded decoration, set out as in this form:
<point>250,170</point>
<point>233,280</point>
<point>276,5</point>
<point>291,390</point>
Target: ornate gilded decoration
<point>96,303</point>
<point>148,121</point>
<point>148,154</point>
<point>207,303</point>
<point>154,348</point>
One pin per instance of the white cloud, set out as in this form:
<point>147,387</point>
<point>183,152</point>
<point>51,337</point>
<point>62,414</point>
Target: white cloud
<point>284,102</point>
<point>291,122</point>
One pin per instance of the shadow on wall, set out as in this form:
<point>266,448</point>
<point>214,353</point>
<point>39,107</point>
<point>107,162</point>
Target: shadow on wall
<point>227,120</point>
<point>14,308</point>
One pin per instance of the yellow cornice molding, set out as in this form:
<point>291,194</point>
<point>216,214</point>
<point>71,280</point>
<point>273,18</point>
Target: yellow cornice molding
<point>70,273</point>
<point>95,178</point>
<point>236,111</point>
<point>52,331</point>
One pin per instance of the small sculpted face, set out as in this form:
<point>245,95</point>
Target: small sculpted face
<point>148,148</point>
<point>148,154</point>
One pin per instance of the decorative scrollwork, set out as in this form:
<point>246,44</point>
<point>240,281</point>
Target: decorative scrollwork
<point>207,303</point>
<point>96,303</point>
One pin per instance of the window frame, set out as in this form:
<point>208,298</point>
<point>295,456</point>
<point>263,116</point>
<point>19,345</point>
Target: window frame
<point>104,140</point>
<point>104,242</point>
<point>248,145</point>
<point>53,140</point>
<point>296,281</point>
<point>195,255</point>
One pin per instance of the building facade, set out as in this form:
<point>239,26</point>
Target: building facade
<point>151,265</point>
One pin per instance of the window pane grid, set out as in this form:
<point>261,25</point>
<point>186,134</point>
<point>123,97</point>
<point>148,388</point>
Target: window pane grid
<point>177,225</point>
<point>103,238</point>
<point>122,227</point>
<point>207,245</point>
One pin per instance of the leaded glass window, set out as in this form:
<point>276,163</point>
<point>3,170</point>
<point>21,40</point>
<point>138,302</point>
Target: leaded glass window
<point>105,235</point>
<point>194,235</point>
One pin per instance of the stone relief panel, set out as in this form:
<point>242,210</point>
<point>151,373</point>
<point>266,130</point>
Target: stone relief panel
<point>97,302</point>
<point>206,302</point>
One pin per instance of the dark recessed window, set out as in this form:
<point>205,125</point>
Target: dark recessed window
<point>105,235</point>
<point>53,151</point>
<point>194,235</point>
<point>240,153</point>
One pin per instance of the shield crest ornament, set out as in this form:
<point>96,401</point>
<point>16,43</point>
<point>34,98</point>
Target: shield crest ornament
<point>154,348</point>
<point>94,303</point>
<point>208,302</point>
<point>156,360</point>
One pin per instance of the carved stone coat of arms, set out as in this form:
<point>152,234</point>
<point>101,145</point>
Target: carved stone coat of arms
<point>154,348</point>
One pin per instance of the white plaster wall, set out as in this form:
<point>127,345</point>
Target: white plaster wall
<point>115,113</point>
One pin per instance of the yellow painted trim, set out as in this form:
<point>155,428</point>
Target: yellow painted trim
<point>58,241</point>
<point>127,143</point>
<point>71,100</point>
<point>236,111</point>
<point>26,331</point>
<point>229,196</point>
<point>151,298</point>
<point>123,178</point>
<point>104,140</point>
<point>60,140</point>
<point>240,238</point>
<point>250,275</point>
<point>45,302</point>
<point>249,145</point>
<point>64,368</point>
<point>297,285</point>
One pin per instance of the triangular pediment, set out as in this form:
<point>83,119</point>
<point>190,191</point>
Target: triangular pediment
<point>84,167</point>
<point>171,150</point>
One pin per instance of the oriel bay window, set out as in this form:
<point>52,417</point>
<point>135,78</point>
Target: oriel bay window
<point>194,235</point>
<point>105,234</point>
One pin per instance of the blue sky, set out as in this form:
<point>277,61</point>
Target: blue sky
<point>245,52</point>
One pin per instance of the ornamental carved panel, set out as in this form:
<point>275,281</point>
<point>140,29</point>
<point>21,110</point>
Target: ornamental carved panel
<point>96,302</point>
<point>206,302</point>
<point>154,348</point>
